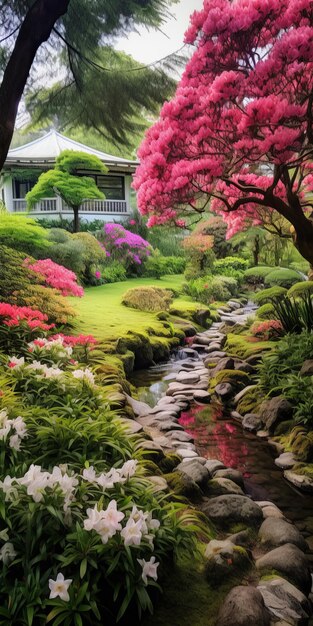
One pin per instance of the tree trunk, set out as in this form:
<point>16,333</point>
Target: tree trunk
<point>35,29</point>
<point>76,219</point>
<point>304,238</point>
<point>256,250</point>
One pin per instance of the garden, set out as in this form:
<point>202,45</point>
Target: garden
<point>156,359</point>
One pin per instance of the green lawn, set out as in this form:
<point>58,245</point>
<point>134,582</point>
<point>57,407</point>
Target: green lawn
<point>101,313</point>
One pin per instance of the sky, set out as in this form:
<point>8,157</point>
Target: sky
<point>149,46</point>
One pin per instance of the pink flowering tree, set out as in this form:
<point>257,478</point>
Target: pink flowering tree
<point>56,276</point>
<point>124,246</point>
<point>238,133</point>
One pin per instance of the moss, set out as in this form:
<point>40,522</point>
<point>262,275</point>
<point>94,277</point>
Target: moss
<point>236,377</point>
<point>267,295</point>
<point>270,575</point>
<point>244,346</point>
<point>169,463</point>
<point>187,597</point>
<point>284,427</point>
<point>303,469</point>
<point>151,468</point>
<point>237,528</point>
<point>250,402</point>
<point>162,315</point>
<point>183,485</point>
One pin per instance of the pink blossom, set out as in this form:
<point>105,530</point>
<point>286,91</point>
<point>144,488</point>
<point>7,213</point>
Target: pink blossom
<point>98,274</point>
<point>56,276</point>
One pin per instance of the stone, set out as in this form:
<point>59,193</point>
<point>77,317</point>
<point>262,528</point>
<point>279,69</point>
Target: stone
<point>262,434</point>
<point>201,396</point>
<point>168,425</point>
<point>276,532</point>
<point>180,436</point>
<point>305,483</point>
<point>307,368</point>
<point>165,400</point>
<point>218,354</point>
<point>171,407</point>
<point>254,359</point>
<point>272,511</point>
<point>184,445</point>
<point>242,393</point>
<point>231,474</point>
<point>245,367</point>
<point>202,340</point>
<point>220,486</point>
<point>224,391</point>
<point>243,538</point>
<point>152,450</point>
<point>162,415</point>
<point>232,509</point>
<point>224,560</point>
<point>159,483</point>
<point>236,416</point>
<point>233,304</point>
<point>186,453</point>
<point>274,411</point>
<point>195,470</point>
<point>285,460</point>
<point>214,347</point>
<point>243,606</point>
<point>132,426</point>
<point>139,408</point>
<point>187,377</point>
<point>213,465</point>
<point>290,562</point>
<point>224,364</point>
<point>251,422</point>
<point>284,601</point>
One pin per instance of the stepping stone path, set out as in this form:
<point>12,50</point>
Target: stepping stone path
<point>280,601</point>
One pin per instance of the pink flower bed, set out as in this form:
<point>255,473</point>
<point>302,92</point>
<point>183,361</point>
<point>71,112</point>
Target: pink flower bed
<point>57,276</point>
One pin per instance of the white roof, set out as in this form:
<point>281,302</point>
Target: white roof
<point>50,145</point>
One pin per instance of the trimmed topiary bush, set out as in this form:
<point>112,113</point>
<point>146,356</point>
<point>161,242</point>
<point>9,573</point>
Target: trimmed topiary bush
<point>256,275</point>
<point>283,277</point>
<point>301,289</point>
<point>148,298</point>
<point>267,295</point>
<point>266,312</point>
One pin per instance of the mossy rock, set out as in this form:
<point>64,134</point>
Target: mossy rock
<point>237,378</point>
<point>302,446</point>
<point>183,485</point>
<point>301,289</point>
<point>162,315</point>
<point>242,346</point>
<point>151,468</point>
<point>250,402</point>
<point>283,428</point>
<point>169,463</point>
<point>230,563</point>
<point>128,360</point>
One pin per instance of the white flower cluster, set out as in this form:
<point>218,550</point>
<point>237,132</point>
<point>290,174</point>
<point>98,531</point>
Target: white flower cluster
<point>113,476</point>
<point>37,482</point>
<point>44,371</point>
<point>139,526</point>
<point>15,428</point>
<point>85,375</point>
<point>54,346</point>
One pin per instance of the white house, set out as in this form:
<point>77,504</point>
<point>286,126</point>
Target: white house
<point>24,165</point>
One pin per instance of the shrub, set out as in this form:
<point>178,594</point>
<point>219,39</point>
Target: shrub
<point>23,234</point>
<point>113,272</point>
<point>124,246</point>
<point>50,301</point>
<point>295,315</point>
<point>210,288</point>
<point>301,289</point>
<point>256,275</point>
<point>271,329</point>
<point>157,265</point>
<point>93,256</point>
<point>80,252</point>
<point>287,358</point>
<point>56,276</point>
<point>283,277</point>
<point>230,262</point>
<point>266,312</point>
<point>148,298</point>
<point>270,294</point>
<point>19,325</point>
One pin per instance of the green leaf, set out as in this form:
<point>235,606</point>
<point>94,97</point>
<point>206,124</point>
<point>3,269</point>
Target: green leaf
<point>83,568</point>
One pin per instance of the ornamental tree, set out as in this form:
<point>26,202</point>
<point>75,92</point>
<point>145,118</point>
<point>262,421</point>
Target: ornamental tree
<point>238,133</point>
<point>66,181</point>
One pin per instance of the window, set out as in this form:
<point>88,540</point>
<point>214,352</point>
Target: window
<point>113,187</point>
<point>21,187</point>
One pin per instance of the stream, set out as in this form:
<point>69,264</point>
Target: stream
<point>217,436</point>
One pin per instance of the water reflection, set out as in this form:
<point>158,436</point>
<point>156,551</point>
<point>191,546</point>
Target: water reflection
<point>219,437</point>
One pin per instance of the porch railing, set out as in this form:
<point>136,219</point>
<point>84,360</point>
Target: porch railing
<point>54,205</point>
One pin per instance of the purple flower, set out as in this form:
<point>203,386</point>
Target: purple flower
<point>98,274</point>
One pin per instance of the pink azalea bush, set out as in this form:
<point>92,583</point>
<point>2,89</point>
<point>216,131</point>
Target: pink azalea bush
<point>123,245</point>
<point>56,276</point>
<point>268,329</point>
<point>238,131</point>
<point>13,315</point>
